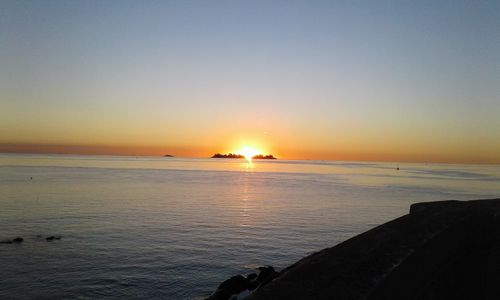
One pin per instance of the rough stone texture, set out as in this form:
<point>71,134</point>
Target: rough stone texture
<point>440,250</point>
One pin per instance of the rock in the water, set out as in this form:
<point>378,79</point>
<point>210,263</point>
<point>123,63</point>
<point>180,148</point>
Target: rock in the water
<point>252,281</point>
<point>252,276</point>
<point>16,240</point>
<point>266,274</point>
<point>53,237</point>
<point>230,287</point>
<point>241,286</point>
<point>235,284</point>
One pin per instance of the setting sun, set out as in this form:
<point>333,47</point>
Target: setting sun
<point>248,152</point>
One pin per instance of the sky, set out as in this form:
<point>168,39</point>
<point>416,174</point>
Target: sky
<point>342,80</point>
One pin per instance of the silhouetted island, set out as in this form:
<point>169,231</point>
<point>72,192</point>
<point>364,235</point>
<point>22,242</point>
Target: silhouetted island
<point>168,155</point>
<point>230,155</point>
<point>234,155</point>
<point>260,156</point>
<point>440,250</point>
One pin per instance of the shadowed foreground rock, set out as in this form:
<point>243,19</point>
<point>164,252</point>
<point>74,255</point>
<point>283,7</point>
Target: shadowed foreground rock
<point>239,284</point>
<point>440,250</point>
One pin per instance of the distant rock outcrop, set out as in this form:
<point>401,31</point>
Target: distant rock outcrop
<point>234,155</point>
<point>260,156</point>
<point>13,241</point>
<point>39,236</point>
<point>52,238</point>
<point>230,155</point>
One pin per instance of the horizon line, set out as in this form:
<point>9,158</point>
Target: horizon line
<point>27,152</point>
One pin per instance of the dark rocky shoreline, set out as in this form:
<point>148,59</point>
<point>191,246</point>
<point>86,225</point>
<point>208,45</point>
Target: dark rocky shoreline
<point>440,250</point>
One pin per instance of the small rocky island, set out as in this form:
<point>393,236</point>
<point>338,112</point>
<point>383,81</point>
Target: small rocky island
<point>440,250</point>
<point>261,156</point>
<point>229,155</point>
<point>239,156</point>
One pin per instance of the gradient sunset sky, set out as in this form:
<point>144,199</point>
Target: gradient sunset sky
<point>348,80</point>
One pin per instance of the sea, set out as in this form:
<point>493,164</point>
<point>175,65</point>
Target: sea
<point>175,228</point>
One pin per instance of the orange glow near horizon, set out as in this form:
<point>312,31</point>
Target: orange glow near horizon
<point>278,147</point>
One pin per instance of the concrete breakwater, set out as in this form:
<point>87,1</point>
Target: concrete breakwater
<point>440,250</point>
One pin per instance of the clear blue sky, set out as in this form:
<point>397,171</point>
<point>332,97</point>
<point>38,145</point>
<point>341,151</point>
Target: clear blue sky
<point>411,80</point>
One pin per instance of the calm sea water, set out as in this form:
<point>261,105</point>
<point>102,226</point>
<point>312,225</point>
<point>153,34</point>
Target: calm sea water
<point>172,228</point>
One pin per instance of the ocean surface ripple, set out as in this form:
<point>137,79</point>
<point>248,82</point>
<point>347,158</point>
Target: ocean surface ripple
<point>172,228</point>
